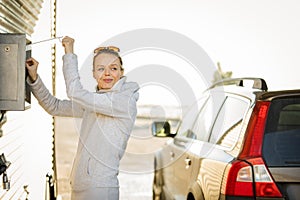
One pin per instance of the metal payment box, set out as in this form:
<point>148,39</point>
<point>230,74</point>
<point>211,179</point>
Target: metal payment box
<point>13,89</point>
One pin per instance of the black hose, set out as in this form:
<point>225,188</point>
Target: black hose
<point>2,115</point>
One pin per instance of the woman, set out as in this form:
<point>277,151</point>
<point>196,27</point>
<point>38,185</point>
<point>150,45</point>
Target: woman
<point>108,118</point>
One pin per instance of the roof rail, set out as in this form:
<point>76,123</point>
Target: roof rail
<point>258,83</point>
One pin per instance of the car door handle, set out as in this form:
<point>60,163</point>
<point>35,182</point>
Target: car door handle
<point>172,155</point>
<point>188,162</point>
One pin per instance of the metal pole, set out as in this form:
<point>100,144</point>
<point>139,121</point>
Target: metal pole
<point>53,64</point>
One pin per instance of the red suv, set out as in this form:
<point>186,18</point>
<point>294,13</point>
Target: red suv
<point>234,143</point>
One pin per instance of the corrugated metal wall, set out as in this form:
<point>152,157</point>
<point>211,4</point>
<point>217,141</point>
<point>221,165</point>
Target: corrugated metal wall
<point>19,16</point>
<point>20,141</point>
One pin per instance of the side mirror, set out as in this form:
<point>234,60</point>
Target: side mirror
<point>161,129</point>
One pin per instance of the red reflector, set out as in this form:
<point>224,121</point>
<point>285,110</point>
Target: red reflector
<point>267,190</point>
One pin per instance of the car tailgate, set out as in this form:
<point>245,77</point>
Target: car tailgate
<point>287,180</point>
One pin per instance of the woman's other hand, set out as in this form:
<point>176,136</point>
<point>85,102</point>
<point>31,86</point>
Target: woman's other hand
<point>68,44</point>
<point>32,65</point>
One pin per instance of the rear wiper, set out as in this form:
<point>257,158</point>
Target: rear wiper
<point>292,162</point>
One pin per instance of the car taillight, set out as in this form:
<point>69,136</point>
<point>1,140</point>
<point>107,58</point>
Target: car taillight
<point>255,131</point>
<point>250,178</point>
<point>248,175</point>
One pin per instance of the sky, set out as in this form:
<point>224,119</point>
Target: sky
<point>257,38</point>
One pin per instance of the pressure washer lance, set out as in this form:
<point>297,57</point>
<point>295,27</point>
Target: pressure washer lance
<point>28,46</point>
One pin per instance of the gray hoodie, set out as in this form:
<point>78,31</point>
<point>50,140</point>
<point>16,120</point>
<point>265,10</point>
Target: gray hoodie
<point>107,121</point>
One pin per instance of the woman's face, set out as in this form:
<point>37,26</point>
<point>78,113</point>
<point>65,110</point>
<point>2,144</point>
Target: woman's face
<point>107,70</point>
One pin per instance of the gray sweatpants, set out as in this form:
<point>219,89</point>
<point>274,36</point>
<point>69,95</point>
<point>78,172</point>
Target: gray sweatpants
<point>96,194</point>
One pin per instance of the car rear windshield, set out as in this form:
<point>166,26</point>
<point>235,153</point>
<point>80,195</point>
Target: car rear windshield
<point>281,146</point>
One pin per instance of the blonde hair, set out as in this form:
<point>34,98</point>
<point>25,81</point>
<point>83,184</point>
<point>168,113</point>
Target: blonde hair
<point>108,51</point>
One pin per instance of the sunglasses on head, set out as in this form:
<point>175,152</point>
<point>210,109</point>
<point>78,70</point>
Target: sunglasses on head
<point>109,48</point>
